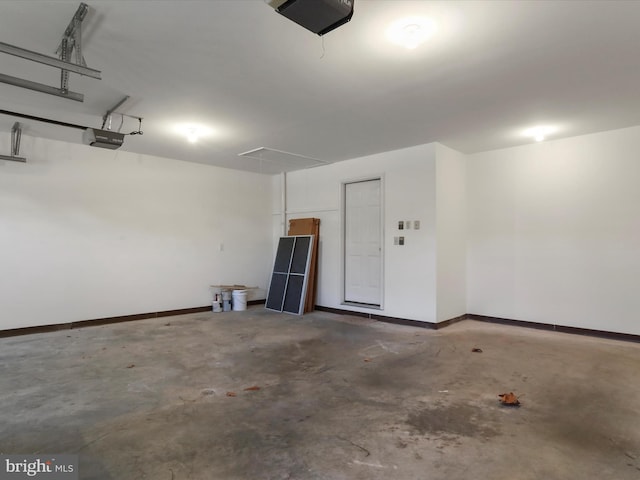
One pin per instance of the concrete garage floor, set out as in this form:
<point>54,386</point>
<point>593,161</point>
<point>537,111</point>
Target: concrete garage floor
<point>340,398</point>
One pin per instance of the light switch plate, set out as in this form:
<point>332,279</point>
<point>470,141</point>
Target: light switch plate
<point>408,224</point>
<point>416,224</point>
<point>401,241</point>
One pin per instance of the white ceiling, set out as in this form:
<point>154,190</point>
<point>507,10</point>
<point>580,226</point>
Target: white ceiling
<point>259,80</point>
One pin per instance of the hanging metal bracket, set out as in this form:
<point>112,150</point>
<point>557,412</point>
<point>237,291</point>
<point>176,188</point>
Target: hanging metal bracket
<point>107,116</point>
<point>16,134</point>
<point>71,41</point>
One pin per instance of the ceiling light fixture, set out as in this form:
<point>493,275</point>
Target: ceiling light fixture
<point>539,133</point>
<point>411,32</point>
<point>193,135</point>
<point>193,131</point>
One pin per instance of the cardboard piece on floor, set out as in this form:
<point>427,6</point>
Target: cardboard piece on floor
<point>308,226</point>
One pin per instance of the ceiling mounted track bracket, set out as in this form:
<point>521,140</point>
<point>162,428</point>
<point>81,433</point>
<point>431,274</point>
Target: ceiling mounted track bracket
<point>40,87</point>
<point>107,116</point>
<point>16,134</point>
<point>71,42</point>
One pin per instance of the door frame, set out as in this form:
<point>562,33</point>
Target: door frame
<point>343,232</point>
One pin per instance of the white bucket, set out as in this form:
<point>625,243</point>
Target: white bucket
<point>239,300</point>
<point>226,300</point>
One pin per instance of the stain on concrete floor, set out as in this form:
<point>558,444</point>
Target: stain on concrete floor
<point>455,419</point>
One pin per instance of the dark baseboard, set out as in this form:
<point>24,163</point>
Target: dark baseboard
<point>380,318</point>
<point>14,332</point>
<point>628,337</point>
<point>404,321</point>
<point>99,321</point>
<point>451,321</point>
<point>373,316</point>
<point>483,318</point>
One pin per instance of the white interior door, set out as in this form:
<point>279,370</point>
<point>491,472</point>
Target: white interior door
<point>363,242</point>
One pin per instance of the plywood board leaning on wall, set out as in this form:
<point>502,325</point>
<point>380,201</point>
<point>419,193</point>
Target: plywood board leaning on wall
<point>308,226</point>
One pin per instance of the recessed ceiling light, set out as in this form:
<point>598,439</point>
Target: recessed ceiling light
<point>410,32</point>
<point>193,131</point>
<point>539,133</point>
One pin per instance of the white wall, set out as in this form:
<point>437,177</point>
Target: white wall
<point>409,194</point>
<point>554,232</point>
<point>451,228</point>
<point>88,233</point>
<point>550,231</point>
